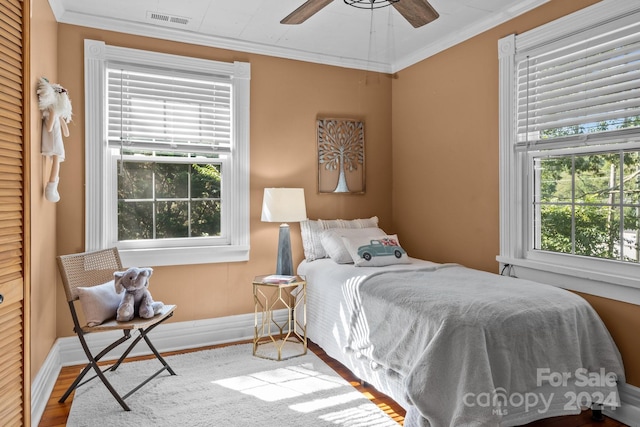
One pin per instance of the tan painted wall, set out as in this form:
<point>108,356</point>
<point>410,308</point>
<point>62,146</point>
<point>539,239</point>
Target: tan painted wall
<point>445,162</point>
<point>286,98</point>
<point>44,62</point>
<point>623,321</point>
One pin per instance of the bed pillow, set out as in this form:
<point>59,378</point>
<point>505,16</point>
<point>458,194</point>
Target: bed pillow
<point>99,303</point>
<point>375,250</point>
<point>334,246</point>
<point>311,244</point>
<point>311,231</point>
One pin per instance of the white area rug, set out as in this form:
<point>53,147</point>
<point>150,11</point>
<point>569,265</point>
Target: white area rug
<point>228,387</point>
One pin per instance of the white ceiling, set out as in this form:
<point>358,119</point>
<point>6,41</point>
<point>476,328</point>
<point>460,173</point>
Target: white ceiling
<point>378,40</point>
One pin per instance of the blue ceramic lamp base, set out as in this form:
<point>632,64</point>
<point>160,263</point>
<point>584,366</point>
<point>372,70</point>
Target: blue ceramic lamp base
<point>284,264</point>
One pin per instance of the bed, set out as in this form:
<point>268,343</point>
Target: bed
<point>457,346</point>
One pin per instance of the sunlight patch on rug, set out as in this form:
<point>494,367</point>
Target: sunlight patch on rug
<point>283,383</point>
<point>327,402</point>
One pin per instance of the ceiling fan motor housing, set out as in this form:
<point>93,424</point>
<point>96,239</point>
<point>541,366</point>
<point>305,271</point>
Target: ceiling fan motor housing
<point>370,4</point>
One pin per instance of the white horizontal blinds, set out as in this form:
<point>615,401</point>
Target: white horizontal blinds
<point>588,86</point>
<point>165,111</point>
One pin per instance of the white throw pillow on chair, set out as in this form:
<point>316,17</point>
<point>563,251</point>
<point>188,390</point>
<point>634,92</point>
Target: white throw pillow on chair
<point>99,303</point>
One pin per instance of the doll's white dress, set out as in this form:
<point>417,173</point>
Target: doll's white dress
<point>52,144</point>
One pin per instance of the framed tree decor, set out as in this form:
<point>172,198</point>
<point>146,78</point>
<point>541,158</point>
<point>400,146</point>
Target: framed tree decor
<point>340,156</point>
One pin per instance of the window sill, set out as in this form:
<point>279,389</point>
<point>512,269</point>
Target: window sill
<point>611,286</point>
<point>183,256</point>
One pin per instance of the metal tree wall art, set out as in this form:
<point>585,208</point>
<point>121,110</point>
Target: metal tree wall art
<point>340,156</point>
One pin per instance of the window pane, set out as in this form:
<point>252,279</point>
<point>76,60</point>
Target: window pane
<point>556,228</point>
<point>632,178</point>
<point>172,180</point>
<point>135,180</point>
<point>135,220</point>
<point>555,179</point>
<point>205,218</point>
<point>631,235</point>
<point>205,181</point>
<point>597,231</point>
<point>631,184</point>
<point>172,219</point>
<point>596,180</point>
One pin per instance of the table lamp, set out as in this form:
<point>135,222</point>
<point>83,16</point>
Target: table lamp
<point>284,205</point>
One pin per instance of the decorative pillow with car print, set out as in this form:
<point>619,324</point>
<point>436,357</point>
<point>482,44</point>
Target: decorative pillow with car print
<point>375,251</point>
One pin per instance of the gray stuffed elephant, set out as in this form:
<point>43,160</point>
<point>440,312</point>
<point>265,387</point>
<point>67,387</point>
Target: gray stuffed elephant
<point>136,300</point>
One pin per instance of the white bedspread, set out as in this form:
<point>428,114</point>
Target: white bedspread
<point>461,337</point>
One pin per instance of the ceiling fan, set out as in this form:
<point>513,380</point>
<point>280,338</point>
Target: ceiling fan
<point>417,12</point>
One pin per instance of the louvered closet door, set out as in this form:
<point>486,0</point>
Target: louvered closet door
<point>12,394</point>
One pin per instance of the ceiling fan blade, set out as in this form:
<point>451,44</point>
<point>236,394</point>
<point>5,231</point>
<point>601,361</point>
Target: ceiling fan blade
<point>304,12</point>
<point>417,12</point>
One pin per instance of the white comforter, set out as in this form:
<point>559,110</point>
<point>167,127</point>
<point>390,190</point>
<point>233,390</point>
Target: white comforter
<point>476,348</point>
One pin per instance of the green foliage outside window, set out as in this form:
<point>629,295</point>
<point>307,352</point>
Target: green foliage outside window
<point>159,200</point>
<point>583,208</point>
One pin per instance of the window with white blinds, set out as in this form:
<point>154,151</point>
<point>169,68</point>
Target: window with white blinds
<point>582,85</point>
<point>167,156</point>
<point>570,150</point>
<point>165,110</point>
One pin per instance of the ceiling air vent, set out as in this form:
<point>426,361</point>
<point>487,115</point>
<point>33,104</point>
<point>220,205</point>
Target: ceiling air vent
<point>159,17</point>
<point>178,20</point>
<point>164,18</point>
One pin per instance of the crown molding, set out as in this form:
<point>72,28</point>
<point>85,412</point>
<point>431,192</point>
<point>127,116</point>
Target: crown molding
<point>467,33</point>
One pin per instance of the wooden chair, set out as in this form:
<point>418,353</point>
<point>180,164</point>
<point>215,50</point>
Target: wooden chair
<point>92,269</point>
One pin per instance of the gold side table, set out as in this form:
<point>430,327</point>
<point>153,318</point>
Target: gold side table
<point>271,336</point>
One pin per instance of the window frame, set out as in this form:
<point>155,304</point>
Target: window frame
<point>101,179</point>
<point>607,278</point>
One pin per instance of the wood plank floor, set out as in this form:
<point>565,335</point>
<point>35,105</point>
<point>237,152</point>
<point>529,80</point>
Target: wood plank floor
<point>56,414</point>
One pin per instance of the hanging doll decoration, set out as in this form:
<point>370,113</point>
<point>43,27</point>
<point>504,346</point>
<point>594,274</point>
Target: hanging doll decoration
<point>54,103</point>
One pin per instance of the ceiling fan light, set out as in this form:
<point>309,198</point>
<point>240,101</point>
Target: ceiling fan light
<point>370,4</point>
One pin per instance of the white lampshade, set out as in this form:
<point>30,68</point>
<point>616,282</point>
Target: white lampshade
<point>283,205</point>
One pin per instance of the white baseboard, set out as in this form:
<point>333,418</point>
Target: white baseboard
<point>44,382</point>
<point>201,333</point>
<point>67,351</point>
<point>629,410</point>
